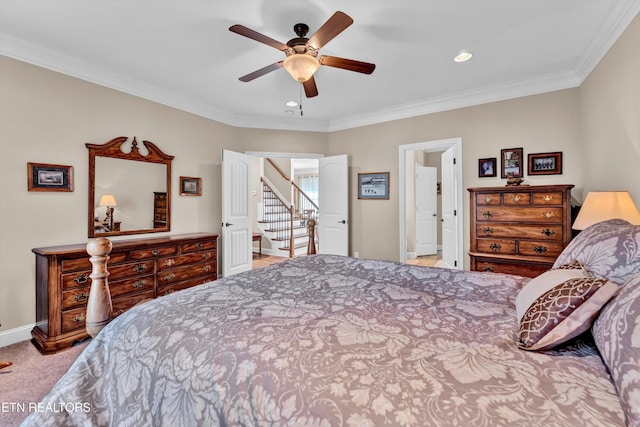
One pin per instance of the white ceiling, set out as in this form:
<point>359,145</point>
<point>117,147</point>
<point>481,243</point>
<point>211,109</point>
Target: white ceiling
<point>181,53</point>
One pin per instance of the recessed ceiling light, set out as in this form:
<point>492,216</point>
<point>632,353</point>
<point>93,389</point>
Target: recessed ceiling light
<point>292,104</point>
<point>463,56</point>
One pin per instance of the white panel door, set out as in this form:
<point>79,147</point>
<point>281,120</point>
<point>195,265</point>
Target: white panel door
<point>237,218</point>
<point>426,197</point>
<point>333,197</point>
<point>449,210</point>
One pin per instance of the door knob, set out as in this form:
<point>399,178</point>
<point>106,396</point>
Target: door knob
<point>226,224</point>
<point>342,222</point>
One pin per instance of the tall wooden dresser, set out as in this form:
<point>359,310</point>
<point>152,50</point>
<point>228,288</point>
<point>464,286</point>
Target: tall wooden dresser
<point>519,229</point>
<point>138,269</point>
<point>159,210</point>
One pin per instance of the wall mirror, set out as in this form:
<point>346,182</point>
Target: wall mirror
<point>129,188</point>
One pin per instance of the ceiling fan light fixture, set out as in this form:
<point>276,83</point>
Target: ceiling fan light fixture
<point>301,66</point>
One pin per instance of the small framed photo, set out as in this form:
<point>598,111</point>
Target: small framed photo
<point>45,177</point>
<point>373,185</point>
<point>190,186</point>
<point>511,162</point>
<point>545,163</point>
<point>487,167</point>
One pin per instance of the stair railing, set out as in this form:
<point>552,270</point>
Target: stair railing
<point>276,205</point>
<point>303,206</point>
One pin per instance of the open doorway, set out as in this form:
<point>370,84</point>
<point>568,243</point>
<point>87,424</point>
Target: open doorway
<point>445,156</point>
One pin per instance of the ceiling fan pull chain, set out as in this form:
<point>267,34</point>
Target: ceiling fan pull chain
<point>300,103</point>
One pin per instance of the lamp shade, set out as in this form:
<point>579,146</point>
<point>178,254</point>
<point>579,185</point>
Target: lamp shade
<point>301,66</point>
<point>603,205</point>
<point>108,200</point>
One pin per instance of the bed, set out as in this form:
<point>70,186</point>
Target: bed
<point>326,340</point>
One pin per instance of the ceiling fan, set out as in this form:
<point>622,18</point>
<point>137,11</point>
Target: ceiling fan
<point>302,59</point>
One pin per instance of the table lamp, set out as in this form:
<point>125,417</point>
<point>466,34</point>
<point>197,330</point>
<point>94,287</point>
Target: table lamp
<point>603,205</point>
<point>109,201</point>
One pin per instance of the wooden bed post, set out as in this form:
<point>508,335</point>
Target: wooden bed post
<point>99,306</point>
<point>311,246</point>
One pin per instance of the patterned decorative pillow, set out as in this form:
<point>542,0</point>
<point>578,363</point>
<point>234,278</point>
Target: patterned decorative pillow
<point>608,250</point>
<point>617,335</point>
<point>564,311</point>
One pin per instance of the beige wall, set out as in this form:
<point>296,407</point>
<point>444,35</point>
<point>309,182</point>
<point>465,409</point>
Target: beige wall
<point>610,109</point>
<point>47,117</point>
<point>540,123</point>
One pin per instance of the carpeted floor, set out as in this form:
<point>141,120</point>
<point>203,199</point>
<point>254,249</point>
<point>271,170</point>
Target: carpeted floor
<point>30,378</point>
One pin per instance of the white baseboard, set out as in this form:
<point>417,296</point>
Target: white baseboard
<point>411,255</point>
<point>13,336</point>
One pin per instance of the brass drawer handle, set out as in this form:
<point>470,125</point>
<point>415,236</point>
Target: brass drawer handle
<point>169,262</point>
<point>140,267</point>
<point>547,197</point>
<point>487,214</point>
<point>487,269</point>
<point>488,199</point>
<point>169,277</point>
<point>140,283</point>
<point>80,317</point>
<point>548,215</point>
<point>81,279</point>
<point>517,198</point>
<point>548,232</point>
<point>207,268</point>
<point>81,297</point>
<point>488,230</point>
<point>540,249</point>
<point>155,252</point>
<point>495,246</point>
<point>199,245</point>
<point>170,291</point>
<point>206,255</point>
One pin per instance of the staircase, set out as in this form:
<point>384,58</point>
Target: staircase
<point>284,224</point>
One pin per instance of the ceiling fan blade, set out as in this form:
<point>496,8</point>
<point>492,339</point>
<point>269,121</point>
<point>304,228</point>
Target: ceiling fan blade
<point>338,22</point>
<point>347,64</point>
<point>310,88</point>
<point>254,35</point>
<point>261,72</point>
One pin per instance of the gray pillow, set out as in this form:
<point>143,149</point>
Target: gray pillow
<point>607,250</point>
<point>616,332</point>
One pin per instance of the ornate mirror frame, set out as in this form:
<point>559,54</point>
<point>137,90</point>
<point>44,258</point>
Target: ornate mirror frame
<point>113,149</point>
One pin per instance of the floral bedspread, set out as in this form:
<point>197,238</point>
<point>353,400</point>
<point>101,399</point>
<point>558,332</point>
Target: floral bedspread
<point>332,341</point>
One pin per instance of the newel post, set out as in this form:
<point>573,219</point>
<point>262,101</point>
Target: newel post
<point>99,306</point>
<point>311,246</point>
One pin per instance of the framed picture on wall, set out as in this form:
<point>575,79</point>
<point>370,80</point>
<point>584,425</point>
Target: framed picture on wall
<point>190,186</point>
<point>545,163</point>
<point>487,167</point>
<point>373,185</point>
<point>45,177</point>
<point>511,162</point>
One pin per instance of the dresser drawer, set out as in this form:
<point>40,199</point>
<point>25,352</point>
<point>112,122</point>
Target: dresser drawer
<point>488,199</point>
<point>545,232</point>
<point>526,270</point>
<point>74,319</point>
<point>84,263</point>
<point>542,249</point>
<point>75,297</point>
<point>191,258</point>
<point>154,252</point>
<point>181,273</point>
<point>122,304</point>
<point>497,246</point>
<point>130,269</point>
<point>130,285</point>
<point>197,246</point>
<point>520,199</point>
<point>547,199</point>
<point>73,280</point>
<point>169,289</point>
<point>534,214</point>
